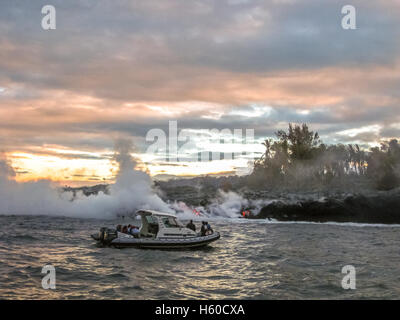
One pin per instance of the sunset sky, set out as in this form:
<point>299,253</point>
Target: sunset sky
<point>116,69</point>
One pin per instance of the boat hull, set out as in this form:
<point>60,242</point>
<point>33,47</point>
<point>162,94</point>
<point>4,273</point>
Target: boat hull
<point>165,243</point>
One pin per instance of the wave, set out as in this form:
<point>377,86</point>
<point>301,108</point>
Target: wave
<point>333,223</point>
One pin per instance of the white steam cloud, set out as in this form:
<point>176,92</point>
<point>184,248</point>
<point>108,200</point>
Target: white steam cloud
<point>131,191</point>
<point>225,205</point>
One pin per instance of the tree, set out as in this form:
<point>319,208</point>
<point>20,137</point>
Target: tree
<point>298,159</point>
<point>384,165</point>
<point>302,142</point>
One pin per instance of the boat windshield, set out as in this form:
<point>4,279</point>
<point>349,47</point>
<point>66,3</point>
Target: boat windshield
<point>151,220</point>
<point>171,222</point>
<point>150,226</point>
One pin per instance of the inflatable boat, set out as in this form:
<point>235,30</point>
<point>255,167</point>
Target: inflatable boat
<point>158,230</point>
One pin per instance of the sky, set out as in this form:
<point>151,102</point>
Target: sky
<point>121,68</point>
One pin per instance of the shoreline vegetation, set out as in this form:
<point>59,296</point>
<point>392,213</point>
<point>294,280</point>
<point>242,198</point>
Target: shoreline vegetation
<point>303,179</point>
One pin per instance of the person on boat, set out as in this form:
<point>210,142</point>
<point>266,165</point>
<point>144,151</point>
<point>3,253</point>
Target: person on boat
<point>203,228</point>
<point>134,231</point>
<point>209,230</point>
<point>191,225</point>
<point>125,229</point>
<point>119,228</point>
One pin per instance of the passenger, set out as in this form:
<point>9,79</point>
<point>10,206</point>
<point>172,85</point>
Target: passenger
<point>135,231</point>
<point>119,228</point>
<point>191,226</point>
<point>203,228</point>
<point>129,228</point>
<point>209,230</point>
<point>125,229</point>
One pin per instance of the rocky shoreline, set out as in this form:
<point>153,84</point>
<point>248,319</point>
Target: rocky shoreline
<point>381,208</point>
<point>335,205</point>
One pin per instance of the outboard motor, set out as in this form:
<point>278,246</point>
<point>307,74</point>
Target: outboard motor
<point>107,235</point>
<point>101,234</point>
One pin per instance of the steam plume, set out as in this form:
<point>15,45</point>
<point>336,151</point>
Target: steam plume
<point>131,191</point>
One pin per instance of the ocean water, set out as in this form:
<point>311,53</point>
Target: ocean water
<point>252,260</point>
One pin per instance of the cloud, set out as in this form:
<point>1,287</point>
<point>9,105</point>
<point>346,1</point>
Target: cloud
<point>125,67</point>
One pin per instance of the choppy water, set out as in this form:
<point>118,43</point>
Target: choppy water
<point>252,260</point>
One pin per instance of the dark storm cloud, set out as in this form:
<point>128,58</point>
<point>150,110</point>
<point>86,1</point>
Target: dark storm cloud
<point>114,49</point>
